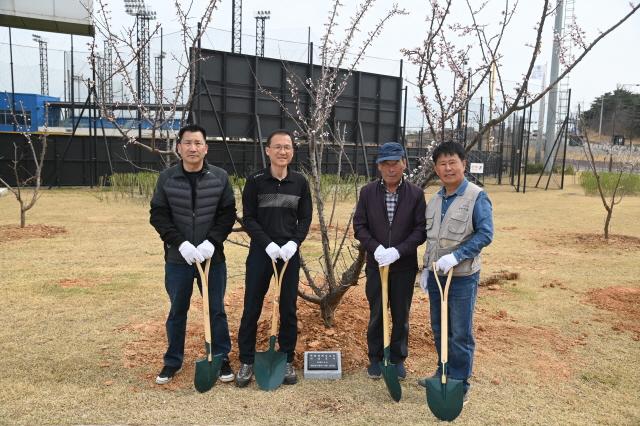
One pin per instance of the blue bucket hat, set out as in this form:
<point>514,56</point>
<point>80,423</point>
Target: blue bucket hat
<point>390,151</point>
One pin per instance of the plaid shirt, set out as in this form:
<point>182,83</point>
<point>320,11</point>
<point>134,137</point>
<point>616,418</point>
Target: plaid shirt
<point>391,199</point>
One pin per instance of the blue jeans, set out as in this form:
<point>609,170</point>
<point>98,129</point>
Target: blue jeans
<point>463,292</point>
<point>179,284</point>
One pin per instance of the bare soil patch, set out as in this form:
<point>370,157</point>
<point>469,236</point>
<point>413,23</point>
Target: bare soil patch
<point>624,302</point>
<point>10,233</point>
<point>498,335</point>
<point>592,240</point>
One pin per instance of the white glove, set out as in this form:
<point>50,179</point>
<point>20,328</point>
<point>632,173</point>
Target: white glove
<point>273,250</point>
<point>288,250</point>
<point>190,253</point>
<point>423,280</point>
<point>378,253</point>
<point>446,262</point>
<point>206,249</point>
<point>389,256</point>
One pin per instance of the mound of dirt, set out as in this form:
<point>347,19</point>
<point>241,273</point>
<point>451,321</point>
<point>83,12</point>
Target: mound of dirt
<point>498,337</point>
<point>9,233</point>
<point>348,335</point>
<point>624,302</point>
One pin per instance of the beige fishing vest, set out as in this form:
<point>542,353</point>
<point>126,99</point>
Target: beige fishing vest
<point>456,228</point>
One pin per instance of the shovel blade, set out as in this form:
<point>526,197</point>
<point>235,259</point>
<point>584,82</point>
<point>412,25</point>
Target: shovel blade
<point>269,367</point>
<point>390,376</point>
<point>445,400</point>
<point>207,373</point>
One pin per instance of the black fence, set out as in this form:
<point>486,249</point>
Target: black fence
<point>82,161</point>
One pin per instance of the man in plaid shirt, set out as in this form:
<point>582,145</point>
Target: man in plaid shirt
<point>390,224</point>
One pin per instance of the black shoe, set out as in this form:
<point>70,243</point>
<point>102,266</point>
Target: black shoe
<point>290,377</point>
<point>402,372</point>
<point>166,374</point>
<point>423,382</point>
<point>226,373</point>
<point>374,371</point>
<point>244,375</point>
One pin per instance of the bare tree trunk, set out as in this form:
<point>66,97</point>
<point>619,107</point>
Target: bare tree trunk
<point>607,222</point>
<point>23,215</point>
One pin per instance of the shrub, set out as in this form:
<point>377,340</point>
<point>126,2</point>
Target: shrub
<point>629,183</point>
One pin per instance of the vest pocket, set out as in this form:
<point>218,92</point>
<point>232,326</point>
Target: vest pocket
<point>430,221</point>
<point>457,225</point>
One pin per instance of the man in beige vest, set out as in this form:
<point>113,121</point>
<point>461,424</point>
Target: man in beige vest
<point>459,225</point>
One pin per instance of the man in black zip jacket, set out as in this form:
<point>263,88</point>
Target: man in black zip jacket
<point>389,222</point>
<point>193,210</point>
<point>277,211</point>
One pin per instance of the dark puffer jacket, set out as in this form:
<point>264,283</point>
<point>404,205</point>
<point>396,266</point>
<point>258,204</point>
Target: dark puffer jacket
<point>211,217</point>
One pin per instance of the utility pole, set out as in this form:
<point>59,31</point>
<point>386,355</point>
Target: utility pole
<point>236,27</point>
<point>44,64</point>
<point>261,17</point>
<point>553,94</point>
<point>538,157</point>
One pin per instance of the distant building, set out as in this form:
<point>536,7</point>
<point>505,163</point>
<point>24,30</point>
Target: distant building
<point>29,112</point>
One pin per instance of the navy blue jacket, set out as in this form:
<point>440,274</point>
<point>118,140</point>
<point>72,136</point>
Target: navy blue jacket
<point>372,228</point>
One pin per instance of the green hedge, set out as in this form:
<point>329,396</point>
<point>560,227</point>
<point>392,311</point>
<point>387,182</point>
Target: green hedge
<point>629,183</point>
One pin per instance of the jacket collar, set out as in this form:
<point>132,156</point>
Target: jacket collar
<point>459,190</point>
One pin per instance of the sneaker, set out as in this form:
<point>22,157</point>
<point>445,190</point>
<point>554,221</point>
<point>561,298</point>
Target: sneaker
<point>290,377</point>
<point>244,375</point>
<point>226,373</point>
<point>465,398</point>
<point>402,372</point>
<point>423,382</point>
<point>374,371</point>
<point>166,374</point>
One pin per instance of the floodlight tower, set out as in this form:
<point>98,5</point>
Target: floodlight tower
<point>158,77</point>
<point>44,64</point>
<point>108,72</point>
<point>236,27</point>
<point>143,15</point>
<point>261,17</point>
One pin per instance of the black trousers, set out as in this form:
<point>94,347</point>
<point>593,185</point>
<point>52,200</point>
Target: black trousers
<point>257,279</point>
<point>401,284</point>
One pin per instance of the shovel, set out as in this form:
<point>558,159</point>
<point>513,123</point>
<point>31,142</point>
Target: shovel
<point>389,370</point>
<point>444,396</point>
<point>208,368</point>
<point>269,366</point>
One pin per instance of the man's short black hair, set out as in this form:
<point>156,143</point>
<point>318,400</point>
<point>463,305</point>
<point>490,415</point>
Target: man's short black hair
<point>449,148</point>
<point>191,128</point>
<point>279,132</point>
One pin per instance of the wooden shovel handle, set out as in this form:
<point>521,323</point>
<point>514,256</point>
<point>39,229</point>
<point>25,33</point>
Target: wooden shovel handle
<point>384,279</point>
<point>444,319</point>
<point>204,278</point>
<point>276,295</point>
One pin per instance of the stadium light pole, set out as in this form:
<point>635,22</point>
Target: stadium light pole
<point>261,16</point>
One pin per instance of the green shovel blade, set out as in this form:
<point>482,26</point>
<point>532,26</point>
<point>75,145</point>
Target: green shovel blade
<point>269,367</point>
<point>445,400</point>
<point>207,372</point>
<point>390,376</point>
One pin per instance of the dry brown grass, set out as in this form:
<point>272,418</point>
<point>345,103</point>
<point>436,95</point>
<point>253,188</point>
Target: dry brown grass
<point>84,312</point>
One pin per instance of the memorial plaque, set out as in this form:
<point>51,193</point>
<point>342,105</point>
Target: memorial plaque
<point>322,361</point>
<point>322,365</point>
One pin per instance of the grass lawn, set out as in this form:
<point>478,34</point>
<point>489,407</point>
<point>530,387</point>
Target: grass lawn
<point>84,306</point>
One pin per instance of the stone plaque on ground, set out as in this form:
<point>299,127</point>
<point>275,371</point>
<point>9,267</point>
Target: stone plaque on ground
<point>322,365</point>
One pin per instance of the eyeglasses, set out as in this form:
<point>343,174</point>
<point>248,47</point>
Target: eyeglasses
<point>285,148</point>
<point>197,144</point>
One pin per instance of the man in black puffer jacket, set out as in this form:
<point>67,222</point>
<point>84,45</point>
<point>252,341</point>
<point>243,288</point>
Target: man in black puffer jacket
<point>193,210</point>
